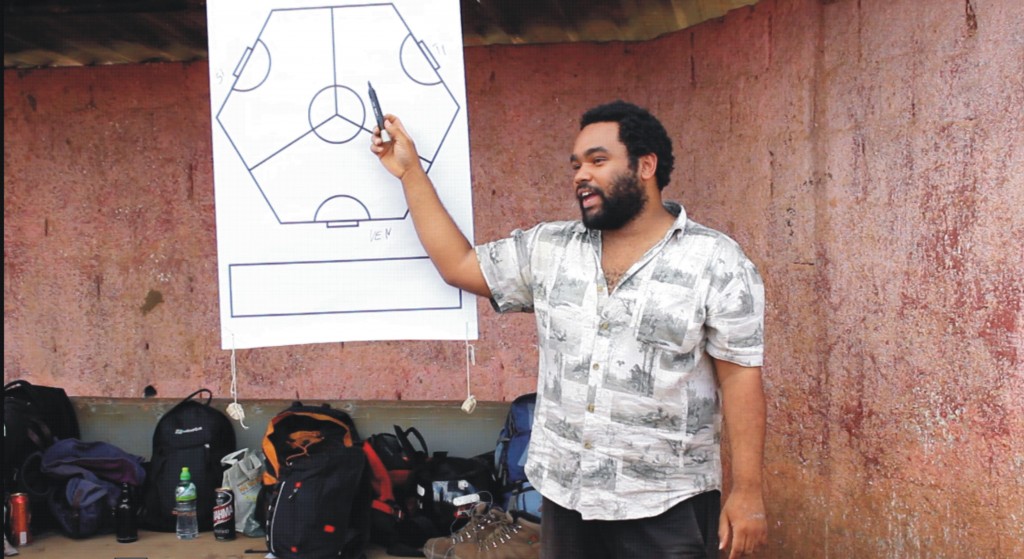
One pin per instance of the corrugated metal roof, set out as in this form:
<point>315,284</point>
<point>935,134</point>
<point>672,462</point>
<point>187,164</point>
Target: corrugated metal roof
<point>41,33</point>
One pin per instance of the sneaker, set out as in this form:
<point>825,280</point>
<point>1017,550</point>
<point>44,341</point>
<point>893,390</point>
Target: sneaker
<point>482,520</point>
<point>509,540</point>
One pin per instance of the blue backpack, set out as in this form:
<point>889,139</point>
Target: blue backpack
<point>84,481</point>
<point>510,455</point>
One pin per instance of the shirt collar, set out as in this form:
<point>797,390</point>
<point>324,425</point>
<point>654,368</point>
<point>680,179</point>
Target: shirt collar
<point>677,210</point>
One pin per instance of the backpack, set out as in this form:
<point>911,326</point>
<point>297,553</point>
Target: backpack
<point>34,418</point>
<point>85,479</point>
<point>194,434</point>
<point>392,458</point>
<point>397,453</point>
<point>447,488</point>
<point>316,484</point>
<point>510,453</point>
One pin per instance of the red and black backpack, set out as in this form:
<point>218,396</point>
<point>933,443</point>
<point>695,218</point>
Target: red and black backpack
<point>392,458</point>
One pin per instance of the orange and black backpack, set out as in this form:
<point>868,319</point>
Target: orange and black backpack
<point>316,485</point>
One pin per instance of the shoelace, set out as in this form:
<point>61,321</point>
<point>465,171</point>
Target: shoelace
<point>500,536</point>
<point>478,522</point>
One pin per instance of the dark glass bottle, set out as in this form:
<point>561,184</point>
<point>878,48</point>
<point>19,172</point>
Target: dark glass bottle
<point>124,516</point>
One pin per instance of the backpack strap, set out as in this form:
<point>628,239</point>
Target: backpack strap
<point>20,383</point>
<point>407,448</point>
<point>209,396</point>
<point>384,496</point>
<point>39,433</point>
<point>32,477</point>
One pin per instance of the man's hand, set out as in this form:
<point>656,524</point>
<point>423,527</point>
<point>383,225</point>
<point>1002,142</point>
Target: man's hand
<point>447,247</point>
<point>399,155</point>
<point>743,524</point>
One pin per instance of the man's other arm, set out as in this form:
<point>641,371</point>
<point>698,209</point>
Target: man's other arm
<point>743,525</point>
<point>449,250</point>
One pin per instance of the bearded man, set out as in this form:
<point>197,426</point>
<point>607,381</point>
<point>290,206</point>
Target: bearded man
<point>650,330</point>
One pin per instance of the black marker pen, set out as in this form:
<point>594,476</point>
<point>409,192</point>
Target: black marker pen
<point>378,113</point>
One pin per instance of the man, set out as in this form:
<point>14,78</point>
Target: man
<point>645,321</point>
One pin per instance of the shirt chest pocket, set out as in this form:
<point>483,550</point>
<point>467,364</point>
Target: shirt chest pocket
<point>671,318</point>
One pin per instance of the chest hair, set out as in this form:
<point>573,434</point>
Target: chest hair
<point>613,275</point>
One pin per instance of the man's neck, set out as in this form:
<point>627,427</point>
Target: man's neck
<point>645,229</point>
<point>622,248</point>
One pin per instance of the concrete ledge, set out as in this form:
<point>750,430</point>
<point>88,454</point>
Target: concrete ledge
<point>129,423</point>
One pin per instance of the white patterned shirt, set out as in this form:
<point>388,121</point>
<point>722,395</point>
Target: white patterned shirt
<point>628,416</point>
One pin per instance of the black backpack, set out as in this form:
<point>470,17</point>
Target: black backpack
<point>447,488</point>
<point>193,434</point>
<point>34,418</point>
<point>316,485</point>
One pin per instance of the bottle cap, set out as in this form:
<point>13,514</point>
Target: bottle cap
<point>185,475</point>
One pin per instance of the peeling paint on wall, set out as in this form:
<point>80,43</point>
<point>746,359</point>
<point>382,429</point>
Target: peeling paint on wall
<point>153,298</point>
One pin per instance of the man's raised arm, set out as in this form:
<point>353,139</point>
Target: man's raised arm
<point>449,250</point>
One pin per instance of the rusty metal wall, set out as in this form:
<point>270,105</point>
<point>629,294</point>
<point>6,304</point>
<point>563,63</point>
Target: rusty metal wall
<point>867,154</point>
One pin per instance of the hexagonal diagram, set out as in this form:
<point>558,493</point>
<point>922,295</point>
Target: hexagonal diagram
<point>299,114</point>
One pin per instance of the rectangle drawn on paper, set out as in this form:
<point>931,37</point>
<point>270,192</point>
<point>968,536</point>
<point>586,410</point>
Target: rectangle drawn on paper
<point>343,286</point>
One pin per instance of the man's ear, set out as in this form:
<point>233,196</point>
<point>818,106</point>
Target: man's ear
<point>647,166</point>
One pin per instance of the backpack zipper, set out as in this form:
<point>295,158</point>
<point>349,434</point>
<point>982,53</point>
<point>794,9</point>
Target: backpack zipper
<point>273,518</point>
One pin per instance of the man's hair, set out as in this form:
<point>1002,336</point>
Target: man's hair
<point>640,132</point>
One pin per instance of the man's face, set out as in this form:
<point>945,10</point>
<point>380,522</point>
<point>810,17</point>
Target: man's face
<point>608,188</point>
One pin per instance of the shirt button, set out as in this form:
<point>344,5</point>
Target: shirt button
<point>590,408</point>
<point>587,445</point>
<point>597,366</point>
<point>604,326</point>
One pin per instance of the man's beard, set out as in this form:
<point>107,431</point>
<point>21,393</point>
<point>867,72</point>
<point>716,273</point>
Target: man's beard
<point>624,201</point>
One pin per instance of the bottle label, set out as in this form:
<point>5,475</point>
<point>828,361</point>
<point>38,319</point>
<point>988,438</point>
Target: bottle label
<point>187,493</point>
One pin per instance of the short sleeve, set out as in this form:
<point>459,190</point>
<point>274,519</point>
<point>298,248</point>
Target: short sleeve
<point>735,308</point>
<point>506,266</point>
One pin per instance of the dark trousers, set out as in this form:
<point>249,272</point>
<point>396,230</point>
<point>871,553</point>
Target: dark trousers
<point>688,530</point>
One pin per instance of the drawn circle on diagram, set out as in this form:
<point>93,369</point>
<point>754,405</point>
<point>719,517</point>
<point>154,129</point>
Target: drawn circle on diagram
<point>337,114</point>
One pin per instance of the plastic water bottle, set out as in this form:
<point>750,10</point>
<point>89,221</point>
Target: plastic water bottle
<point>185,507</point>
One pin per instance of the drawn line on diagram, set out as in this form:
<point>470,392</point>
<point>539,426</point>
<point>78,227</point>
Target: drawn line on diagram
<point>304,181</point>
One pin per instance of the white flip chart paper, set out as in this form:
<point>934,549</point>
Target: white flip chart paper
<point>314,240</point>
